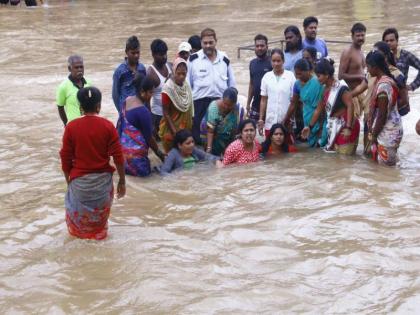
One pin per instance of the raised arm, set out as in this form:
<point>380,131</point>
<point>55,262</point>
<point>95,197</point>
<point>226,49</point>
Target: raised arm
<point>415,63</point>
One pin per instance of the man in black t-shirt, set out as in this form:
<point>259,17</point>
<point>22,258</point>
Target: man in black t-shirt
<point>258,67</point>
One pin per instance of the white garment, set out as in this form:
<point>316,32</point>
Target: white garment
<point>279,94</point>
<point>156,101</point>
<point>209,78</point>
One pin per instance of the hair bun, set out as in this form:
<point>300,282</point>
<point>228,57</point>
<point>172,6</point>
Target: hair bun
<point>330,60</point>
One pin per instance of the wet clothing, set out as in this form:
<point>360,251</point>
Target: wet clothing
<point>66,96</point>
<point>337,141</point>
<point>175,161</point>
<point>179,104</point>
<point>290,59</point>
<point>122,82</point>
<point>258,67</point>
<point>236,153</point>
<point>404,60</point>
<point>224,126</point>
<point>88,204</point>
<point>311,94</point>
<point>88,143</point>
<point>391,134</point>
<point>279,91</point>
<point>320,46</point>
<point>135,137</point>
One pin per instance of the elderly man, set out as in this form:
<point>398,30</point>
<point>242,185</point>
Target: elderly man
<point>209,74</point>
<point>66,98</point>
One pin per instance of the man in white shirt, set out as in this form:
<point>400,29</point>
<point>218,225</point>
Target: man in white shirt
<point>209,74</point>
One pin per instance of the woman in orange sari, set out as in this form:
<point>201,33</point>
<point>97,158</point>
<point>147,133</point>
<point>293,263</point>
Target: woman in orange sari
<point>177,104</point>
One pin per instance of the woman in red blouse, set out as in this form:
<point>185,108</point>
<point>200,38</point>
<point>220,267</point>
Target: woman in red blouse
<point>88,144</point>
<point>245,149</point>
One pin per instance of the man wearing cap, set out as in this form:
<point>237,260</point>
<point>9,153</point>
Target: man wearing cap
<point>209,75</point>
<point>66,98</point>
<point>184,51</point>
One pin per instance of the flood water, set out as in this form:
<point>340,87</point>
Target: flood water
<point>310,233</point>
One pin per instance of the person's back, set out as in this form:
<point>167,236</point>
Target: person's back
<point>93,140</point>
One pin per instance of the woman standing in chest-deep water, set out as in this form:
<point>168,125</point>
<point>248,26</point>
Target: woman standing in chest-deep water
<point>342,127</point>
<point>309,91</point>
<point>88,143</point>
<point>177,105</point>
<point>276,93</point>
<point>136,125</point>
<point>384,121</point>
<point>245,149</point>
<point>221,121</point>
<point>275,144</point>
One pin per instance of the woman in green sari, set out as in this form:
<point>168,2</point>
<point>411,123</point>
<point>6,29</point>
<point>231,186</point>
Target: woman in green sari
<point>223,117</point>
<point>309,91</point>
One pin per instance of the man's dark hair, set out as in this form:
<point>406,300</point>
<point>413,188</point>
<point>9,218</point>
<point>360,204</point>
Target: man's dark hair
<point>261,37</point>
<point>357,28</point>
<point>391,30</point>
<point>158,47</point>
<point>295,30</point>
<point>208,32</point>
<point>308,20</point>
<point>132,43</point>
<point>195,42</point>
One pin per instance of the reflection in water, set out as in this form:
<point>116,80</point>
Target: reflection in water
<point>312,233</point>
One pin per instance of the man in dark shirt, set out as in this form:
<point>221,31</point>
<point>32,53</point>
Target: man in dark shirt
<point>258,67</point>
<point>403,58</point>
<point>122,86</point>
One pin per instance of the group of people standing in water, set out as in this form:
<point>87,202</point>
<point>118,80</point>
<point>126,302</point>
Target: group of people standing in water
<point>191,107</point>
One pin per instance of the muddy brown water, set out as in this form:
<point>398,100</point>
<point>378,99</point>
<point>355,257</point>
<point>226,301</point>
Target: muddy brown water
<point>310,233</point>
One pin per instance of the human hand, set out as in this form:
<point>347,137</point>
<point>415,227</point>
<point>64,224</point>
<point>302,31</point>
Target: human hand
<point>120,189</point>
<point>261,127</point>
<point>305,133</point>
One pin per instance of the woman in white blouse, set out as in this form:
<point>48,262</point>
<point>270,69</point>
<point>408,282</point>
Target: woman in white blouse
<point>276,92</point>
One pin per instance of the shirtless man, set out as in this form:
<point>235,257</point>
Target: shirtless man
<point>158,72</point>
<point>352,64</point>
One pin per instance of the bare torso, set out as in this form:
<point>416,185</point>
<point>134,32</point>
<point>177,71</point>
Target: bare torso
<point>352,65</point>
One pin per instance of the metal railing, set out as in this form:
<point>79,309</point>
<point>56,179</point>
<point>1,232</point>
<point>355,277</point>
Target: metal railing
<point>282,41</point>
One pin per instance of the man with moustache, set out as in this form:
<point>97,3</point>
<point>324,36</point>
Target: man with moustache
<point>158,72</point>
<point>293,50</point>
<point>257,68</point>
<point>352,65</point>
<point>310,27</point>
<point>66,97</point>
<point>209,75</point>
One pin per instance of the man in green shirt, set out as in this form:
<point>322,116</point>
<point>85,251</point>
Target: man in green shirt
<point>68,105</point>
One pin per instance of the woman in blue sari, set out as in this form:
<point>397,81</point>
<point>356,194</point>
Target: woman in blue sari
<point>309,91</point>
<point>136,125</point>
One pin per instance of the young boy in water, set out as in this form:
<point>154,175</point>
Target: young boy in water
<point>88,143</point>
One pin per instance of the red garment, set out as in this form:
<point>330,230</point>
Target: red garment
<point>166,100</point>
<point>88,143</point>
<point>236,153</point>
<point>354,137</point>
